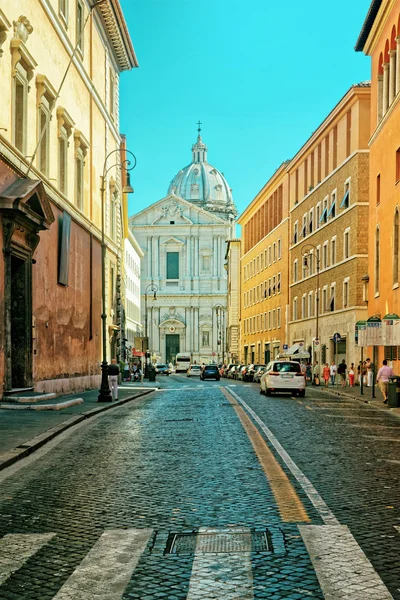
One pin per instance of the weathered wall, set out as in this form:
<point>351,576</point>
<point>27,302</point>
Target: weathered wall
<point>62,347</point>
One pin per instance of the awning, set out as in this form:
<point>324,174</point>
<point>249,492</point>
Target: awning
<point>293,349</point>
<point>345,201</point>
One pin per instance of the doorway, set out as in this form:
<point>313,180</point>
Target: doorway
<point>20,324</point>
<point>171,347</point>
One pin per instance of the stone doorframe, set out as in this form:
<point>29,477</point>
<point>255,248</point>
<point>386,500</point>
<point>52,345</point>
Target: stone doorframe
<point>24,210</point>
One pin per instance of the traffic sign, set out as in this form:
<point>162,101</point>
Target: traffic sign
<point>214,354</point>
<point>285,347</point>
<point>301,344</point>
<point>337,337</point>
<point>316,343</point>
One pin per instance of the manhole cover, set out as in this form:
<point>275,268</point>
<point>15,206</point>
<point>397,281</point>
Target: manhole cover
<point>229,541</point>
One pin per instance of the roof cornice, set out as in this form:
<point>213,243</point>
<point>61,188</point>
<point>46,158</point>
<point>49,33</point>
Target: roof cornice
<point>113,21</point>
<point>272,184</point>
<point>367,25</point>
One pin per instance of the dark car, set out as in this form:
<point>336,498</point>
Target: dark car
<point>210,372</point>
<point>162,369</point>
<point>251,371</point>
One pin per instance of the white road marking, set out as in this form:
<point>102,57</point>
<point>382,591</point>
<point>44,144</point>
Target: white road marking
<point>221,575</point>
<point>16,548</point>
<point>341,566</point>
<point>106,570</point>
<point>326,514</point>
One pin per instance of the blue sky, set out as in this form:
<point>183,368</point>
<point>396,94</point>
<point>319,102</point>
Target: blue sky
<point>260,75</point>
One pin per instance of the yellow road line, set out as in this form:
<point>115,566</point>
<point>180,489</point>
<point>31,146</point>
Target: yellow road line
<point>289,504</point>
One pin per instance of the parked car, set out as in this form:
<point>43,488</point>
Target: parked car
<point>237,371</point>
<point>251,370</point>
<point>231,372</point>
<point>260,370</point>
<point>283,376</point>
<point>194,371</point>
<point>227,368</point>
<point>242,374</point>
<point>210,372</point>
<point>162,369</point>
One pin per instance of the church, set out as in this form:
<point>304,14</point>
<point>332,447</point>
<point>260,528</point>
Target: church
<point>183,280</point>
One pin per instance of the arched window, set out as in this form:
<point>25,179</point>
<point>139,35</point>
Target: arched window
<point>377,259</point>
<point>396,247</point>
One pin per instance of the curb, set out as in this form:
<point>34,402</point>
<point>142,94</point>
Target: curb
<point>59,406</point>
<point>363,400</point>
<point>15,454</point>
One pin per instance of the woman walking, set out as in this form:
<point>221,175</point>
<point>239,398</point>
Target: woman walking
<point>326,373</point>
<point>351,375</point>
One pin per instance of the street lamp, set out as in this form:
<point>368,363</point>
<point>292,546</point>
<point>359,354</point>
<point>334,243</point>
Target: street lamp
<point>219,311</point>
<point>126,165</point>
<point>152,287</point>
<point>307,252</point>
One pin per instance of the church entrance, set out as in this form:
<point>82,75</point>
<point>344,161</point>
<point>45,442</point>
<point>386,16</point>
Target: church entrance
<point>171,347</point>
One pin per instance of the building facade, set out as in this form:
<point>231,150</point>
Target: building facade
<point>328,252</point>
<point>232,265</point>
<point>132,324</point>
<point>264,272</point>
<point>380,39</point>
<point>54,140</point>
<point>183,238</point>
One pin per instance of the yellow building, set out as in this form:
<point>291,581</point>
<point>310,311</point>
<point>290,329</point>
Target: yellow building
<point>328,181</point>
<point>264,271</point>
<point>60,63</point>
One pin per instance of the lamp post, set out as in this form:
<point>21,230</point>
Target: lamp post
<point>306,252</point>
<point>126,165</point>
<point>218,313</point>
<point>152,287</point>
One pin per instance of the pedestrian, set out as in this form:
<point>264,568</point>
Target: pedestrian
<point>364,372</point>
<point>342,368</point>
<point>316,373</point>
<point>113,372</point>
<point>308,371</point>
<point>326,373</point>
<point>351,375</point>
<point>333,370</point>
<point>383,379</point>
<point>370,372</point>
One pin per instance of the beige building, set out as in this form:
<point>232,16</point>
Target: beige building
<point>328,181</point>
<point>232,265</point>
<point>55,135</point>
<point>264,271</point>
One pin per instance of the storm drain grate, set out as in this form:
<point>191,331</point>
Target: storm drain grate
<point>229,541</point>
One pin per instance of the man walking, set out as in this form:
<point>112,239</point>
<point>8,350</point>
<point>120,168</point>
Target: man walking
<point>333,370</point>
<point>342,368</point>
<point>113,372</point>
<point>384,374</point>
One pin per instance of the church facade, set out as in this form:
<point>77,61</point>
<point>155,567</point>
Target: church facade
<point>183,237</point>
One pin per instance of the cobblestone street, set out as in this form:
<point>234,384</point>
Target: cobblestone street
<point>205,491</point>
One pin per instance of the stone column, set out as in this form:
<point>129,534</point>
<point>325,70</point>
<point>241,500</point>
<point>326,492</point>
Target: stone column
<point>385,88</point>
<point>392,76</point>
<point>158,257</point>
<point>380,98</point>
<point>397,65</point>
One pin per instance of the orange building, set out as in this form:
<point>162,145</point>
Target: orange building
<point>380,39</point>
<point>264,271</point>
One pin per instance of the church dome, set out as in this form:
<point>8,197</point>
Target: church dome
<point>203,184</point>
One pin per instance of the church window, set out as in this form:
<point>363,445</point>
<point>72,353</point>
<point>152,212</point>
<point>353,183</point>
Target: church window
<point>206,263</point>
<point>172,265</point>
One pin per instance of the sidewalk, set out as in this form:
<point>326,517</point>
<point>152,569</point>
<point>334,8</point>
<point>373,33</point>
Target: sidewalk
<point>24,431</point>
<point>355,394</point>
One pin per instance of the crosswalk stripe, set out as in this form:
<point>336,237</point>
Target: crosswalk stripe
<point>341,566</point>
<point>16,548</point>
<point>221,575</point>
<point>106,570</point>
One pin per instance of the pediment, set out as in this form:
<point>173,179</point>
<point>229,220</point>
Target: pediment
<point>173,240</point>
<point>183,212</point>
<point>28,197</point>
